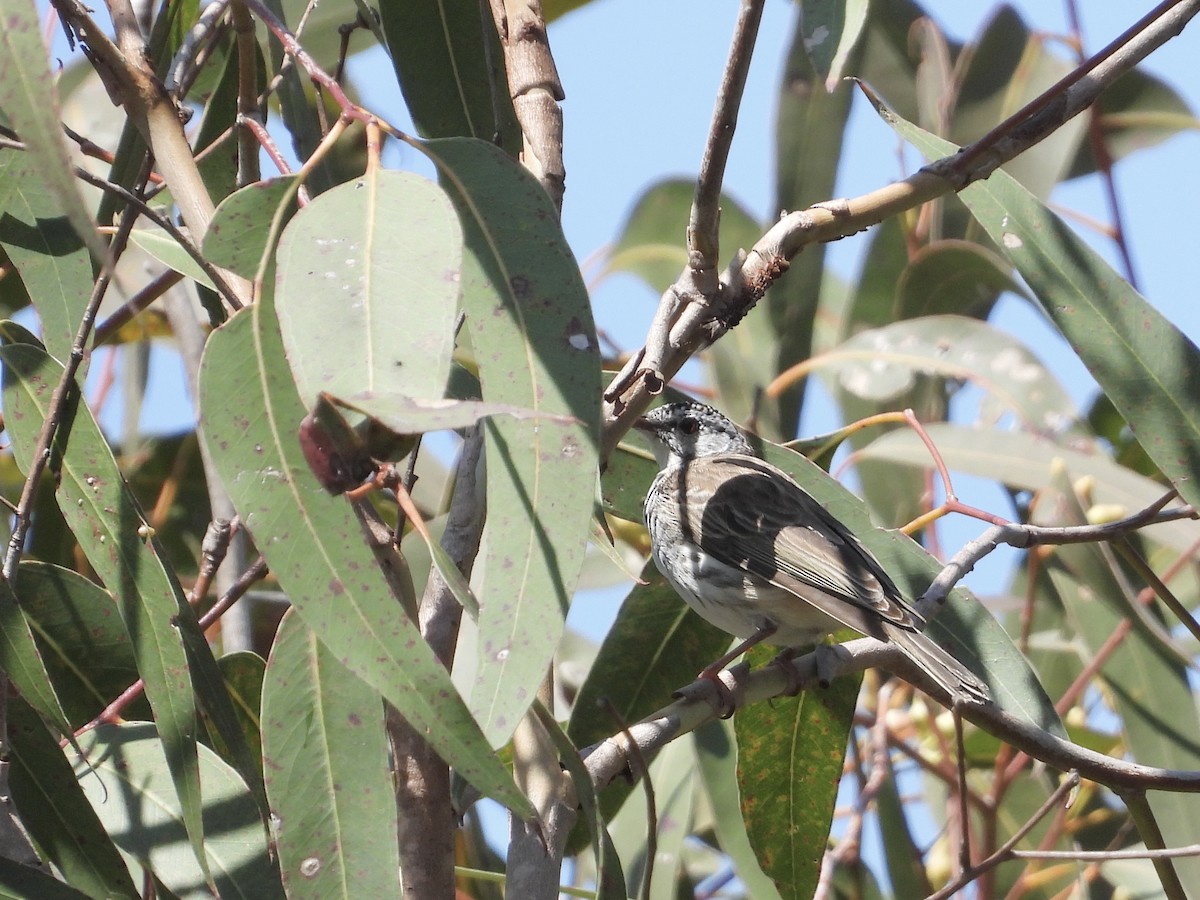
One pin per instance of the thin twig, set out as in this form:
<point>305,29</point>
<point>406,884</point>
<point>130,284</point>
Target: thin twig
<point>704,218</point>
<point>110,328</point>
<point>1006,852</point>
<point>60,400</point>
<point>215,275</point>
<point>747,277</point>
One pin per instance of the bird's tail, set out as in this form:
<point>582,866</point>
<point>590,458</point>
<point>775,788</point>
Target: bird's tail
<point>961,683</point>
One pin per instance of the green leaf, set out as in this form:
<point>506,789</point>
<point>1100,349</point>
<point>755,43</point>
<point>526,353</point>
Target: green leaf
<point>672,776</point>
<point>880,363</point>
<point>167,251</point>
<point>326,758</point>
<point>1137,111</point>
<point>315,545</point>
<point>1025,461</point>
<point>48,254</point>
<point>55,812</point>
<point>453,84</point>
<point>18,882</point>
<point>407,415</point>
<point>652,241</point>
<point>104,515</point>
<point>127,781</point>
<point>1006,68</point>
<point>30,104</point>
<point>952,276</point>
<point>610,878</point>
<point>1146,687</point>
<point>527,305</point>
<point>21,659</point>
<point>790,756</point>
<point>386,283</point>
<point>656,646</point>
<point>247,224</point>
<point>1144,363</point>
<point>830,32</point>
<point>716,755</point>
<point>902,853</point>
<point>811,125</point>
<point>243,676</point>
<point>85,645</point>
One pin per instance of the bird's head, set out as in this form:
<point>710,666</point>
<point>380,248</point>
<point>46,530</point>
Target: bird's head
<point>683,431</point>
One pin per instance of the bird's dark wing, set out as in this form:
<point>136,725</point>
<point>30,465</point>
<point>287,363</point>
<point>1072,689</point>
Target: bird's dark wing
<point>749,514</point>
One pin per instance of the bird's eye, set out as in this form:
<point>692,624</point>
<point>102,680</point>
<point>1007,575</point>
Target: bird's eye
<point>689,425</point>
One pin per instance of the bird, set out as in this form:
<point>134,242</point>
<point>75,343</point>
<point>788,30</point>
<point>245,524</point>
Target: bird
<point>757,556</point>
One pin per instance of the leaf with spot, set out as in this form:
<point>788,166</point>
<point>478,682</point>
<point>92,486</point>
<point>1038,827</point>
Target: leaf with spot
<point>113,533</point>
<point>531,325</point>
<point>790,756</point>
<point>316,547</point>
<point>384,283</point>
<point>326,759</point>
<point>1144,363</point>
<point>126,778</point>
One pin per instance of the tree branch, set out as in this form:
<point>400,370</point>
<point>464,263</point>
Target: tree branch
<point>745,280</point>
<point>535,89</point>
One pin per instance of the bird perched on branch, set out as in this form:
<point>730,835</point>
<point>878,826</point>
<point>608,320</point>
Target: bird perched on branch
<point>753,553</point>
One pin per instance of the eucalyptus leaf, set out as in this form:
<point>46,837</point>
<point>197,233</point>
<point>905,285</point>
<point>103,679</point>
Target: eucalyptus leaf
<point>1146,365</point>
<point>328,780</point>
<point>527,305</point>
<point>125,776</point>
<point>315,546</point>
<point>386,282</point>
<point>121,547</point>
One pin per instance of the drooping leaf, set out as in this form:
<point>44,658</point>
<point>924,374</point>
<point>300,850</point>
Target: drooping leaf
<point>167,251</point>
<point>127,781</point>
<point>454,84</point>
<point>883,362</point>
<point>84,642</point>
<point>1137,111</point>
<point>830,32</point>
<point>121,548</point>
<point>315,546</point>
<point>326,758</point>
<point>1147,688</point>
<point>527,305</point>
<point>952,276</point>
<point>1024,461</point>
<point>1008,67</point>
<point>386,283</point>
<point>18,882</point>
<point>407,415</point>
<point>23,661</point>
<point>610,877</point>
<point>716,755</point>
<point>30,104</point>
<point>656,646</point>
<point>1146,365</point>
<point>808,146</point>
<point>652,241</point>
<point>41,242</point>
<point>55,812</point>
<point>790,755</point>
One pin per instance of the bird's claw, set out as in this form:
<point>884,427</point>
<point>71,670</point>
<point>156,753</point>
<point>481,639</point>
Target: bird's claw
<point>721,689</point>
<point>795,682</point>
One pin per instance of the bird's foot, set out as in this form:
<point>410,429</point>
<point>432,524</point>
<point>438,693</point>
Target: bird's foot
<point>795,682</point>
<point>720,688</point>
